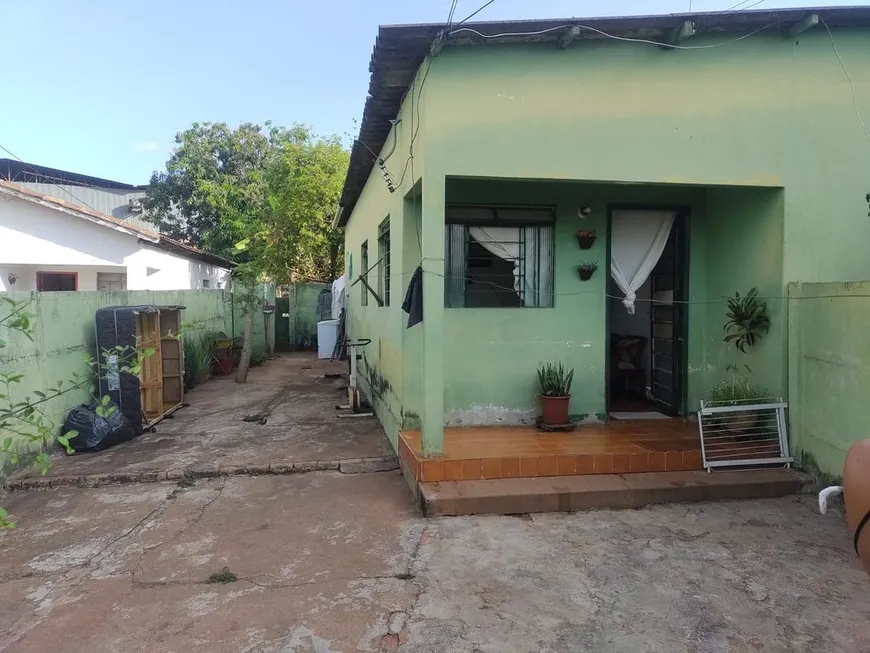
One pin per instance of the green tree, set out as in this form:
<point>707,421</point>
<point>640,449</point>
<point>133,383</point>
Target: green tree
<point>212,164</point>
<point>305,178</point>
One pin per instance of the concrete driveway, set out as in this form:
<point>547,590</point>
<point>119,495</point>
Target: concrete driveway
<point>325,561</point>
<point>290,404</point>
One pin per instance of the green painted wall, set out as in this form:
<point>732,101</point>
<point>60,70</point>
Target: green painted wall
<point>766,111</point>
<point>829,370</point>
<point>760,137</point>
<point>389,378</point>
<point>744,250</point>
<point>63,334</point>
<point>735,244</point>
<point>303,318</point>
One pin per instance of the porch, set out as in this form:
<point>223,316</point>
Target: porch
<point>490,452</point>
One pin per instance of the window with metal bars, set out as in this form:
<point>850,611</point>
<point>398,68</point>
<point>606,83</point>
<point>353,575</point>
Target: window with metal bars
<point>384,258</point>
<point>499,257</point>
<point>364,262</point>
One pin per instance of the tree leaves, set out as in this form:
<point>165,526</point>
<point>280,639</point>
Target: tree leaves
<point>262,196</point>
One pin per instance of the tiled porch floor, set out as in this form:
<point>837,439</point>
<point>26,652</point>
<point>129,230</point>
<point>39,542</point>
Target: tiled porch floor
<point>515,452</point>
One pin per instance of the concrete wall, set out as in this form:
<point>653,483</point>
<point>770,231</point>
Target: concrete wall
<point>36,238</point>
<point>829,369</point>
<point>63,334</point>
<point>766,111</point>
<point>303,318</point>
<point>391,373</point>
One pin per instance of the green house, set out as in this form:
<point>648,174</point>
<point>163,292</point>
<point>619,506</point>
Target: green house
<point>691,156</point>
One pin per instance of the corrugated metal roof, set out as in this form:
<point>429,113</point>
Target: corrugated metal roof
<point>401,49</point>
<point>20,171</point>
<point>13,190</point>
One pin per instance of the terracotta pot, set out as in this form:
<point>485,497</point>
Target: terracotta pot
<point>856,491</point>
<point>554,410</point>
<point>586,242</point>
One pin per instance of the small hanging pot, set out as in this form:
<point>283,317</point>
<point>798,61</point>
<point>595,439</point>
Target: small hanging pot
<point>586,271</point>
<point>586,238</point>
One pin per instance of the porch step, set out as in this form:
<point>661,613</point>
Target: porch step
<point>568,493</point>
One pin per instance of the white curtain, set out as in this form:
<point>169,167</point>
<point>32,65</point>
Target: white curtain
<point>503,242</point>
<point>637,239</point>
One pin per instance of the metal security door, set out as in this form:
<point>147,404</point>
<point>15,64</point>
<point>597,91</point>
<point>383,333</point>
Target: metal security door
<point>669,323</point>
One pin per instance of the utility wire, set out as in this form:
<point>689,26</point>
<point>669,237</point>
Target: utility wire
<point>620,38</point>
<point>479,9</point>
<point>849,78</point>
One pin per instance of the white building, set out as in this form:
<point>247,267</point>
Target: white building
<point>51,244</point>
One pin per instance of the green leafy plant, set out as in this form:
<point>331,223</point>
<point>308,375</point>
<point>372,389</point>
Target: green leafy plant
<point>199,355</point>
<point>747,320</point>
<point>27,432</point>
<point>738,388</point>
<point>554,381</point>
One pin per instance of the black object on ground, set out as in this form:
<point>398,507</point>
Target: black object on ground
<point>98,432</point>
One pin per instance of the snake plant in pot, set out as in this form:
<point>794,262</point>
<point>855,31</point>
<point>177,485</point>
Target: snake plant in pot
<point>555,393</point>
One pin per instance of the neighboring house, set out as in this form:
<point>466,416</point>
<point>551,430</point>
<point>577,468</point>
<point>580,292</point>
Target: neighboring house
<point>119,200</point>
<point>49,244</point>
<point>739,163</point>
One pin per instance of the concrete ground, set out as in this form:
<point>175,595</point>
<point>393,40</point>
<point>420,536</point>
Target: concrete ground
<point>291,403</point>
<point>326,561</point>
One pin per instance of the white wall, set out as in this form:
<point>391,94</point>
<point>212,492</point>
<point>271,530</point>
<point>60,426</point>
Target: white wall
<point>26,281</point>
<point>154,269</point>
<point>35,238</point>
<point>33,234</point>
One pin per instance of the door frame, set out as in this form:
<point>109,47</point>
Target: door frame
<point>681,294</point>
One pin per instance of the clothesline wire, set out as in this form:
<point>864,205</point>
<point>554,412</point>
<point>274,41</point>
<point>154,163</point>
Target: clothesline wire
<point>610,296</point>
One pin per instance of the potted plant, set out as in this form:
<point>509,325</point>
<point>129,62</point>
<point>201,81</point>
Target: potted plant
<point>738,390</point>
<point>586,270</point>
<point>586,238</point>
<point>555,393</point>
<point>747,321</point>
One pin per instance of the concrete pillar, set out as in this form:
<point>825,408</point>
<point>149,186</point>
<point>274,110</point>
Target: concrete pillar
<point>432,248</point>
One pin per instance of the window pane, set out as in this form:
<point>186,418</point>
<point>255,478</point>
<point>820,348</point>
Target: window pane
<point>502,262</point>
<point>454,281</point>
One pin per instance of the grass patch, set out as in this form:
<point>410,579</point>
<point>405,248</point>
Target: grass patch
<point>806,462</point>
<point>187,481</point>
<point>223,577</point>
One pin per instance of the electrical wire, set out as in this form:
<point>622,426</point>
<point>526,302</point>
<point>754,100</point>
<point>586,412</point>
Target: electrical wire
<point>35,171</point>
<point>603,294</point>
<point>474,13</point>
<point>849,78</point>
<point>620,38</point>
<point>450,15</point>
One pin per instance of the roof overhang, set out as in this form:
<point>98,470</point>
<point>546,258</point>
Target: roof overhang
<point>9,189</point>
<point>401,49</point>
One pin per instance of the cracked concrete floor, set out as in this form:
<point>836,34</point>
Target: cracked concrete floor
<point>329,562</point>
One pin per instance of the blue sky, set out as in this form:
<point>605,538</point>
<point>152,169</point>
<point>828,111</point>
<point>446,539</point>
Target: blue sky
<point>101,87</point>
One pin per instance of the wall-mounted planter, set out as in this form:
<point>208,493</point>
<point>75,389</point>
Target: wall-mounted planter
<point>586,271</point>
<point>586,239</point>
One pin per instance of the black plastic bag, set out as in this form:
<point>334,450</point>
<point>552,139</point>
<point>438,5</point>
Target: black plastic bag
<point>96,432</point>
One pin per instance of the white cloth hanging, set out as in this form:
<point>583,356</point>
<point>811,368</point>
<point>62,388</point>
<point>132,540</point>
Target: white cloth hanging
<point>637,240</point>
<point>503,242</point>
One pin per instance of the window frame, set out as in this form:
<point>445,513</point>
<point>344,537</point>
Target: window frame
<point>384,258</point>
<point>40,275</point>
<point>495,221</point>
<point>364,263</point>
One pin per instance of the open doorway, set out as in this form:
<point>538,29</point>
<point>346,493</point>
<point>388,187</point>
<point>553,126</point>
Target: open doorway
<point>646,314</point>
